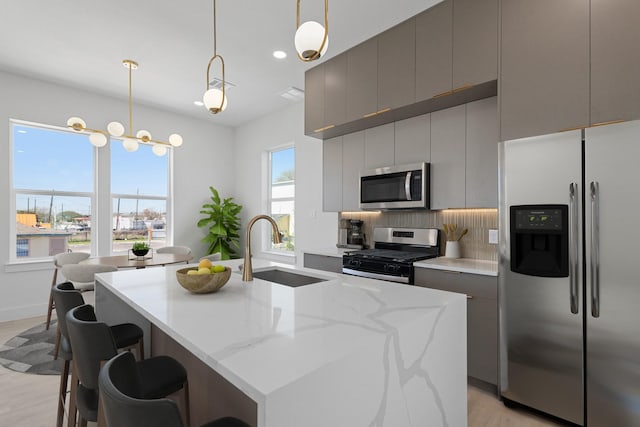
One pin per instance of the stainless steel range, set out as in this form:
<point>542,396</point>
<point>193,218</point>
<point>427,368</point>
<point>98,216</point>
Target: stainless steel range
<point>396,249</point>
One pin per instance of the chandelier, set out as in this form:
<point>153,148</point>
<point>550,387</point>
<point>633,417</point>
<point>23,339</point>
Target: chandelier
<point>312,39</point>
<point>215,99</point>
<point>130,141</point>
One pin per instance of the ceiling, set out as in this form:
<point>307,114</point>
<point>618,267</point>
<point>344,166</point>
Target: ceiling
<point>82,43</point>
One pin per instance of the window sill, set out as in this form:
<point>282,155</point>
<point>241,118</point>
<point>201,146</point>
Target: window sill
<point>16,266</point>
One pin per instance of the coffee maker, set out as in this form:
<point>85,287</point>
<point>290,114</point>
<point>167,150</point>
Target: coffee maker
<point>350,234</point>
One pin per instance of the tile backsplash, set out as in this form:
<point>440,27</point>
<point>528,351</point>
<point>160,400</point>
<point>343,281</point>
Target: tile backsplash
<point>474,245</point>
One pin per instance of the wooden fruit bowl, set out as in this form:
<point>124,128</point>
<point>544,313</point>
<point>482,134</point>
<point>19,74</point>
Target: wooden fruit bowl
<point>203,283</point>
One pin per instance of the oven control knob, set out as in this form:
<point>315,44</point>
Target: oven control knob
<point>355,262</point>
<point>391,268</point>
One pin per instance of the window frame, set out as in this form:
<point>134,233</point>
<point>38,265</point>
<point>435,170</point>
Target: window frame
<point>267,240</point>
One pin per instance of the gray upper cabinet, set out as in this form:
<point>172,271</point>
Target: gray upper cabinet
<point>352,164</point>
<point>434,51</point>
<point>362,80</point>
<point>396,66</point>
<point>332,175</point>
<point>615,61</point>
<point>482,154</point>
<point>413,140</point>
<point>379,146</point>
<point>544,70</point>
<point>335,90</point>
<point>448,147</point>
<point>314,99</point>
<point>475,42</point>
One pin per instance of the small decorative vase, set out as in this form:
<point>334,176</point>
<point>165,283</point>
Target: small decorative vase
<point>452,249</point>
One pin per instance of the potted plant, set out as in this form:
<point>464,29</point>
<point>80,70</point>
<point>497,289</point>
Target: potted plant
<point>221,216</point>
<point>140,248</point>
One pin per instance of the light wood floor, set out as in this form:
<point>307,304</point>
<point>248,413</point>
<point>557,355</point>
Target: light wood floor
<point>30,400</point>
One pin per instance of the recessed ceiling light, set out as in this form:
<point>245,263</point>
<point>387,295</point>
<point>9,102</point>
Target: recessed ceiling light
<point>278,54</point>
<point>198,103</point>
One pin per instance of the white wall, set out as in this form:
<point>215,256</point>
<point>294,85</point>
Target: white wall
<point>314,229</point>
<point>206,158</point>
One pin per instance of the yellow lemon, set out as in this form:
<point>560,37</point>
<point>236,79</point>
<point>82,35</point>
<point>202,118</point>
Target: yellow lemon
<point>218,268</point>
<point>192,272</point>
<point>204,271</point>
<point>204,263</point>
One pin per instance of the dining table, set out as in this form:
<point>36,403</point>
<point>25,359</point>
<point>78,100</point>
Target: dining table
<point>132,261</point>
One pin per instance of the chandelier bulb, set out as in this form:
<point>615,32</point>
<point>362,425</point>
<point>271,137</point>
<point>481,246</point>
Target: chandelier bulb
<point>115,128</point>
<point>98,139</point>
<point>143,135</point>
<point>175,140</point>
<point>159,150</point>
<point>130,144</point>
<point>76,123</point>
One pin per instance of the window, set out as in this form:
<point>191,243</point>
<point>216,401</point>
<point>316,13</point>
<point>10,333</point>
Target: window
<point>139,182</point>
<point>53,181</point>
<point>282,195</point>
<point>54,176</point>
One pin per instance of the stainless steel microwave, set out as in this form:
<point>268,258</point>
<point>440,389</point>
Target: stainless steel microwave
<point>395,187</point>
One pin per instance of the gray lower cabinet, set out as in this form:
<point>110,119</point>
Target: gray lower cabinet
<point>544,68</point>
<point>482,316</point>
<point>332,175</point>
<point>448,148</point>
<point>323,262</point>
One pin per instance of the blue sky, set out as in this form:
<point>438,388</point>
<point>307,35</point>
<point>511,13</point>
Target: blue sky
<point>46,159</point>
<point>281,161</point>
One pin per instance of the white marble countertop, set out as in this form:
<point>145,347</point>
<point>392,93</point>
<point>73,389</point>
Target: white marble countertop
<point>463,265</point>
<point>334,252</point>
<point>347,351</point>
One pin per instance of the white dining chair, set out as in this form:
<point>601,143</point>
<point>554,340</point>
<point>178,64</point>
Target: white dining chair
<point>213,257</point>
<point>58,261</point>
<point>181,250</point>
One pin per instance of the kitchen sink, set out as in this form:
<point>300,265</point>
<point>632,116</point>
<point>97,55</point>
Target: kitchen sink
<point>284,277</point>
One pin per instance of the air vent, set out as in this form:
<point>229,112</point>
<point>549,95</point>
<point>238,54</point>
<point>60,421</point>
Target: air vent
<point>216,83</point>
<point>292,94</point>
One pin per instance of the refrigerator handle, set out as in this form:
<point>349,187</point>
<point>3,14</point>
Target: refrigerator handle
<point>595,249</point>
<point>573,249</point>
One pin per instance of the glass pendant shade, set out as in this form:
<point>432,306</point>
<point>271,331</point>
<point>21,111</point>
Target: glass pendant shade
<point>159,150</point>
<point>76,123</point>
<point>115,128</point>
<point>308,40</point>
<point>98,139</point>
<point>130,144</point>
<point>175,140</point>
<point>212,100</point>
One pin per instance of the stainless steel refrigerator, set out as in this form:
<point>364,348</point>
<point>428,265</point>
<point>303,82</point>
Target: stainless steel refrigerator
<point>569,274</point>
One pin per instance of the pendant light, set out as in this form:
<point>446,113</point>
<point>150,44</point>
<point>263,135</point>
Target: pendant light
<point>215,99</point>
<point>312,39</point>
<point>130,142</point>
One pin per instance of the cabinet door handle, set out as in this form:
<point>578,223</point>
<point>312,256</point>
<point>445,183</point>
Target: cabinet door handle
<point>595,249</point>
<point>610,122</point>
<point>573,249</point>
<point>463,87</point>
<point>324,128</point>
<point>469,296</point>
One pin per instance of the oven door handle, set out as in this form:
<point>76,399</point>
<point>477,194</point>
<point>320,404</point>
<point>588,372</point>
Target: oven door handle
<point>407,185</point>
<point>370,275</point>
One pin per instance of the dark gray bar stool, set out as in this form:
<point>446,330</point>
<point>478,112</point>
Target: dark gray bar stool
<point>126,335</point>
<point>93,343</point>
<point>122,395</point>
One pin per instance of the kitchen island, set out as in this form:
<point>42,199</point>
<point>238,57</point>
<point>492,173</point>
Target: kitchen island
<point>346,351</point>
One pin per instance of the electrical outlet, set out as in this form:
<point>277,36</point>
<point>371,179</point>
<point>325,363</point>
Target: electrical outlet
<point>493,237</point>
